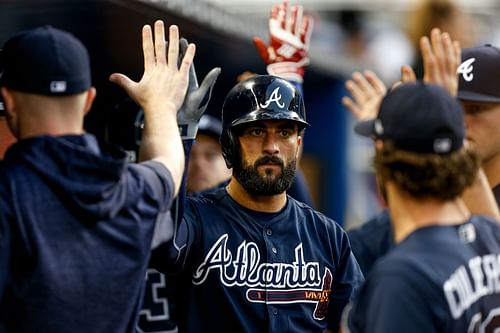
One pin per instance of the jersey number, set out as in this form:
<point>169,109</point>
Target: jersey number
<point>490,324</point>
<point>154,315</point>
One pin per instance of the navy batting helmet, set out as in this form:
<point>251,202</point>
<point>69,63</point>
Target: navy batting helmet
<point>262,97</point>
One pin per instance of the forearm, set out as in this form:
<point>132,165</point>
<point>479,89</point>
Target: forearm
<point>479,197</point>
<point>161,141</point>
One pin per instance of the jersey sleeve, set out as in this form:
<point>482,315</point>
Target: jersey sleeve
<point>5,242</point>
<point>348,279</point>
<point>159,184</point>
<point>5,253</point>
<point>170,257</point>
<point>391,303</point>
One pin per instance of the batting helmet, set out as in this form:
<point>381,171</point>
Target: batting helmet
<point>262,97</point>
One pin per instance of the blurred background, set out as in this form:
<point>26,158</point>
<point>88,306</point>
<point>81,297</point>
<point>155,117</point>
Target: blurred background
<point>348,35</point>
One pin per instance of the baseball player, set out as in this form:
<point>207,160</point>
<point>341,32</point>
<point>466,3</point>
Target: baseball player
<point>206,168</point>
<point>286,56</point>
<point>253,259</point>
<point>441,62</point>
<point>443,274</point>
<point>77,221</point>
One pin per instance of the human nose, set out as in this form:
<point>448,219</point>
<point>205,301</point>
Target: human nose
<point>271,144</point>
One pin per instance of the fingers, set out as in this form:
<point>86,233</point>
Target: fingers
<point>367,90</point>
<point>375,82</point>
<point>307,29</point>
<point>210,79</point>
<point>193,79</point>
<point>160,43</point>
<point>282,14</point>
<point>297,16</point>
<point>148,48</point>
<point>183,45</point>
<point>450,61</point>
<point>355,91</point>
<point>173,46</point>
<point>362,83</point>
<point>407,74</point>
<point>261,48</point>
<point>187,60</point>
<point>207,85</point>
<point>431,70</point>
<point>438,48</point>
<point>457,52</point>
<point>352,107</point>
<point>124,82</point>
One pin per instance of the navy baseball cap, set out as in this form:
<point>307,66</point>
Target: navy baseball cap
<point>45,61</point>
<point>479,74</point>
<point>418,118</point>
<point>210,125</point>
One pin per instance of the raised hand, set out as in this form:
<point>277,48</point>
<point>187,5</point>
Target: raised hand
<point>196,100</point>
<point>441,57</point>
<point>367,91</point>
<point>163,83</point>
<point>161,92</point>
<point>290,36</point>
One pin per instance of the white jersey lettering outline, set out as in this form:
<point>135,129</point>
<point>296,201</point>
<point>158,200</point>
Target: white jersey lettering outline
<point>247,270</point>
<point>462,289</point>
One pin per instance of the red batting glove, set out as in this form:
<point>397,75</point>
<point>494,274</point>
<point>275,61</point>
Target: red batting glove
<point>287,53</point>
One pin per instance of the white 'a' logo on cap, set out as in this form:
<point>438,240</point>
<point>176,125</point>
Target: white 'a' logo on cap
<point>275,97</point>
<point>466,68</point>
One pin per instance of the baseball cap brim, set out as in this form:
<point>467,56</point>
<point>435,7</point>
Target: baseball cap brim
<point>365,128</point>
<point>476,97</point>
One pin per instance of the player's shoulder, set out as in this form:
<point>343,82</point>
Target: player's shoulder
<point>212,197</point>
<point>378,224</point>
<point>484,222</point>
<point>486,228</point>
<point>307,213</point>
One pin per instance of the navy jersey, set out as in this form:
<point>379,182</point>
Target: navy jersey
<point>157,307</point>
<point>247,271</point>
<point>76,226</point>
<point>372,240</point>
<point>439,279</point>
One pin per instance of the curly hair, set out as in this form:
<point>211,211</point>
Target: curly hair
<point>443,177</point>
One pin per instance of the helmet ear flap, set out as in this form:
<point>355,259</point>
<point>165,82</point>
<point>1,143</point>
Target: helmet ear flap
<point>227,145</point>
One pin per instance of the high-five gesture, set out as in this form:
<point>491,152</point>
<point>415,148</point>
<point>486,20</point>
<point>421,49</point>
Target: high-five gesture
<point>441,57</point>
<point>290,35</point>
<point>161,92</point>
<point>197,98</point>
<point>367,91</point>
<point>162,83</point>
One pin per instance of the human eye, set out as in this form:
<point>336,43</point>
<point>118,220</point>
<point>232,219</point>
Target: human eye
<point>286,132</point>
<point>256,131</point>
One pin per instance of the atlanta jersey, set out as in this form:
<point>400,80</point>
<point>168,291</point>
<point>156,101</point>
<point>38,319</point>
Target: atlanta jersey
<point>439,279</point>
<point>248,271</point>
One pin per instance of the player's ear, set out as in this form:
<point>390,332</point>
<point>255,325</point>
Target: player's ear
<point>90,96</point>
<point>8,99</point>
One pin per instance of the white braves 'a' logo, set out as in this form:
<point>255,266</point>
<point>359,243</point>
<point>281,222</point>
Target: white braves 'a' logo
<point>275,97</point>
<point>466,68</point>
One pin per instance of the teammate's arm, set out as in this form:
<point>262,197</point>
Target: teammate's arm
<point>441,57</point>
<point>161,92</point>
<point>169,256</point>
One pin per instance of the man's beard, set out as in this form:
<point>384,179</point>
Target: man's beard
<point>255,184</point>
